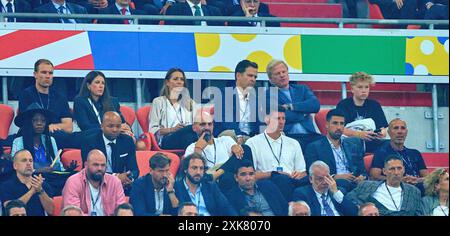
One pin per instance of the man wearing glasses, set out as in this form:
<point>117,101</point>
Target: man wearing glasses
<point>251,8</point>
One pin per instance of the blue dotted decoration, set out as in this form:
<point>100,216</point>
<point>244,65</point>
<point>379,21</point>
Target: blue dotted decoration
<point>442,39</point>
<point>410,37</point>
<point>409,69</point>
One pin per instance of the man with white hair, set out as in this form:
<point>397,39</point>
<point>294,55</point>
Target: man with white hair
<point>299,208</point>
<point>323,195</point>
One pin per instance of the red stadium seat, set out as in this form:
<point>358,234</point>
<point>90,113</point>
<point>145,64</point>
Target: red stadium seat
<point>368,162</point>
<point>70,155</point>
<point>143,157</point>
<point>57,201</point>
<point>6,118</point>
<point>435,160</point>
<point>128,114</point>
<point>155,146</point>
<point>142,115</point>
<point>7,150</point>
<point>320,119</point>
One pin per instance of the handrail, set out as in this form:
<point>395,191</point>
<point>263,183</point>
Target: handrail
<point>227,18</point>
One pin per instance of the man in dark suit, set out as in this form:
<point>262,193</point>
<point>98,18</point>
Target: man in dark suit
<point>61,7</point>
<point>118,148</point>
<point>193,8</point>
<point>392,197</point>
<point>397,9</point>
<point>16,6</point>
<point>153,194</point>
<point>433,9</point>
<point>238,108</point>
<point>122,7</point>
<point>323,196</point>
<point>298,100</point>
<point>206,195</point>
<point>250,8</point>
<point>262,195</point>
<point>343,156</point>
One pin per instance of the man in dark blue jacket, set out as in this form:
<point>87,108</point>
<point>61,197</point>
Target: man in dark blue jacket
<point>262,195</point>
<point>63,8</point>
<point>323,196</point>
<point>238,107</point>
<point>153,194</point>
<point>251,8</point>
<point>344,156</point>
<point>204,194</point>
<point>298,100</point>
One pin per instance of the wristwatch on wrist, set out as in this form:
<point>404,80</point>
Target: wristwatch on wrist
<point>172,191</point>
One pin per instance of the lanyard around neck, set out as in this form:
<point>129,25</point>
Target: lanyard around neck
<point>215,154</point>
<point>392,198</point>
<point>95,111</point>
<point>273,153</point>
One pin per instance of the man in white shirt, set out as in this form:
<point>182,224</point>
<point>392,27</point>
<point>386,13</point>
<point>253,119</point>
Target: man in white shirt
<point>277,156</point>
<point>216,151</point>
<point>391,197</point>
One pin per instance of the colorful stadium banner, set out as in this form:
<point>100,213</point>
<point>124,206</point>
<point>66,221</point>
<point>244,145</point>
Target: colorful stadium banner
<point>211,52</point>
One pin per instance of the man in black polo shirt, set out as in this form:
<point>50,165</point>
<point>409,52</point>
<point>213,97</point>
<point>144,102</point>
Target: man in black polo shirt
<point>415,168</point>
<point>30,189</point>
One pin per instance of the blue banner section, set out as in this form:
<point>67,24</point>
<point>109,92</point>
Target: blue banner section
<point>143,51</point>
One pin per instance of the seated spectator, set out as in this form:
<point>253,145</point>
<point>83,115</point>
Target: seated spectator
<point>34,136</point>
<point>187,209</point>
<point>122,7</point>
<point>359,110</point>
<point>397,9</point>
<point>278,157</point>
<point>299,208</point>
<point>435,203</point>
<point>118,148</point>
<point>344,156</point>
<point>93,101</point>
<point>298,100</point>
<point>6,166</point>
<point>244,100</point>
<point>368,209</point>
<point>156,6</point>
<point>92,189</point>
<point>71,210</point>
<point>124,209</point>
<point>433,9</point>
<point>172,113</point>
<point>323,195</point>
<point>153,194</point>
<point>391,197</point>
<point>92,6</point>
<point>48,98</point>
<point>221,154</point>
<point>415,168</point>
<point>15,6</point>
<point>31,189</point>
<point>263,195</point>
<point>250,211</point>
<point>206,196</point>
<point>250,8</point>
<point>193,8</point>
<point>16,208</point>
<point>353,8</point>
<point>63,8</point>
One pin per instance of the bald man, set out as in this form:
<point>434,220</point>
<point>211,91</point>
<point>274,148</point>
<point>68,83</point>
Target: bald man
<point>216,151</point>
<point>93,190</point>
<point>26,187</point>
<point>118,148</point>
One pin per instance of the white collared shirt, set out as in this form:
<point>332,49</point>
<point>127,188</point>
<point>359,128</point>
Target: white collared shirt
<point>222,152</point>
<point>191,5</point>
<point>291,157</point>
<point>176,114</point>
<point>65,11</point>
<point>338,196</point>
<point>108,153</point>
<point>382,195</point>
<point>127,12</point>
<point>339,158</point>
<point>244,113</point>
<point>159,201</point>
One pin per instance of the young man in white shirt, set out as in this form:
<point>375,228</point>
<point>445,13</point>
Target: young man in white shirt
<point>278,157</point>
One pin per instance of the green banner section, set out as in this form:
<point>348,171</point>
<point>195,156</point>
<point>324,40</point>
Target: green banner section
<point>347,54</point>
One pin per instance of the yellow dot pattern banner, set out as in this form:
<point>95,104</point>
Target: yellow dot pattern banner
<point>427,56</point>
<point>221,52</point>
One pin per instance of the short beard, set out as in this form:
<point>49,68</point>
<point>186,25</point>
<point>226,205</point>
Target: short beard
<point>96,177</point>
<point>191,178</point>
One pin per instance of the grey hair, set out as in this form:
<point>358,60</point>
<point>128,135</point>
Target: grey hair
<point>303,203</point>
<point>318,164</point>
<point>272,64</point>
<point>70,207</point>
